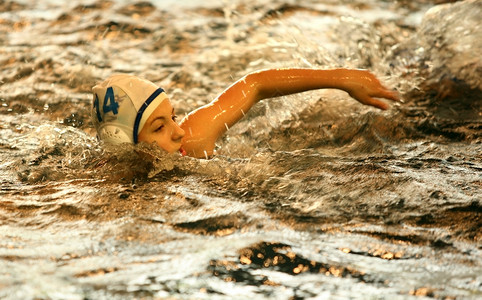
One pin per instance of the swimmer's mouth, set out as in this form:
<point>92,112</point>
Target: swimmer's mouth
<point>182,151</point>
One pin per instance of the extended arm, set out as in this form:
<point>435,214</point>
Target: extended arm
<point>206,124</point>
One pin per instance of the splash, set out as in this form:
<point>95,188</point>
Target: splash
<point>308,196</point>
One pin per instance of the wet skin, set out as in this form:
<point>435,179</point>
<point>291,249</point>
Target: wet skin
<point>161,128</point>
<point>199,130</point>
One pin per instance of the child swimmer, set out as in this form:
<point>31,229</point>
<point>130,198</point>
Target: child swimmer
<point>128,109</point>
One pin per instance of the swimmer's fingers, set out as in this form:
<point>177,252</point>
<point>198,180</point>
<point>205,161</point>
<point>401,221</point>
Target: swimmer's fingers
<point>369,91</point>
<point>368,97</point>
<point>387,94</point>
<point>373,102</point>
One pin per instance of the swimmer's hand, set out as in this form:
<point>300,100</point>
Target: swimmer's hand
<point>365,88</point>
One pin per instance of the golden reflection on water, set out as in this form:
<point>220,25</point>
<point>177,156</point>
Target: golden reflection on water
<point>347,192</point>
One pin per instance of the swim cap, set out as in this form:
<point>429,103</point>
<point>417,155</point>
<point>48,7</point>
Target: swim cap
<point>121,106</point>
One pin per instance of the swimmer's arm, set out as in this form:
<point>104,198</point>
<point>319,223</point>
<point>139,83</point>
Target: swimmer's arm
<point>206,124</point>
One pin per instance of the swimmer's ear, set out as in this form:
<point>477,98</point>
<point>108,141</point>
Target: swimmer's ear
<point>114,134</point>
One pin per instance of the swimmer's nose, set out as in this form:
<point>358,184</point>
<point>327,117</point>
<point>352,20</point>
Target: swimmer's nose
<point>178,133</point>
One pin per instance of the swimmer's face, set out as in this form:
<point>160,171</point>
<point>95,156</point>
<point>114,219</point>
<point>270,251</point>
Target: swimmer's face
<point>161,128</point>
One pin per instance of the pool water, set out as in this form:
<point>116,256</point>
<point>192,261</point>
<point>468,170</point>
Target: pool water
<point>309,196</point>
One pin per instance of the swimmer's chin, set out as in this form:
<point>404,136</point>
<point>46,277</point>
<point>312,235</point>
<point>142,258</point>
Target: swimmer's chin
<point>174,150</point>
<point>170,150</point>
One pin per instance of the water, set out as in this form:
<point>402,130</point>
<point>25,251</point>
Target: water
<point>310,196</point>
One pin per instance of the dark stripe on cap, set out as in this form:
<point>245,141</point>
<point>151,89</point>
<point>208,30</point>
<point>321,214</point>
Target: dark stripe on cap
<point>141,111</point>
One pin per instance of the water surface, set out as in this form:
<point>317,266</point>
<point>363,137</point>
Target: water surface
<point>309,196</point>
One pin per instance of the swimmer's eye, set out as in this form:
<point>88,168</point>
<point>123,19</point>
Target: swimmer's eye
<point>159,128</point>
<point>174,118</point>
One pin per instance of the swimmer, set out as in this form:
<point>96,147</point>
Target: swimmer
<point>128,109</point>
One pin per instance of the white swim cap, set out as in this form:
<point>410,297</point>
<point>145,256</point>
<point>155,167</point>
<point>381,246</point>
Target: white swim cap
<point>121,106</point>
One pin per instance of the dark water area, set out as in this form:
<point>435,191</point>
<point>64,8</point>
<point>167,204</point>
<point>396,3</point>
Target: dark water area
<point>311,196</point>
